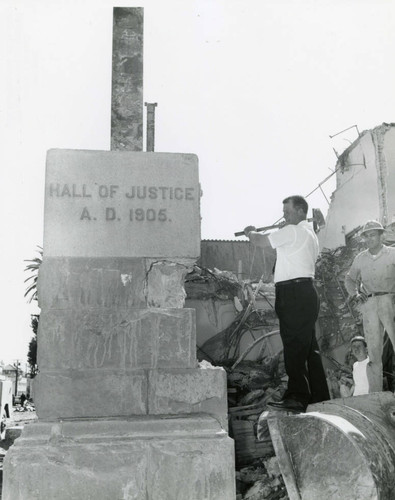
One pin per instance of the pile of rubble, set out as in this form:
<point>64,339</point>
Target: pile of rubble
<point>202,283</point>
<point>251,383</point>
<point>339,319</point>
<point>261,480</point>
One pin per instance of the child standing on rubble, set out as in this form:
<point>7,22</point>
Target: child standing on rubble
<point>360,370</point>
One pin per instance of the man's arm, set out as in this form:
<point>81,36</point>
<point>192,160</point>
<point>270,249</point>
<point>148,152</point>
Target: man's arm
<point>351,285</point>
<point>352,282</point>
<point>347,386</point>
<point>257,239</point>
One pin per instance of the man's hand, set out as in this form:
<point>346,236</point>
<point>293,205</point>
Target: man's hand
<point>360,297</point>
<point>248,229</point>
<point>345,380</point>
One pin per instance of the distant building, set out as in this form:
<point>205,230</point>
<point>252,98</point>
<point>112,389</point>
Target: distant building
<point>365,186</point>
<point>9,373</point>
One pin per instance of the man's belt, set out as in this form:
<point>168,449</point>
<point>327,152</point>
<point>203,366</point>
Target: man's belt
<point>375,294</point>
<point>292,282</point>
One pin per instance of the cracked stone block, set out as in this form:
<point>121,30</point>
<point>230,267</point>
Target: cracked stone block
<point>92,282</point>
<point>112,282</point>
<point>179,391</point>
<point>94,393</point>
<point>165,283</point>
<point>116,338</point>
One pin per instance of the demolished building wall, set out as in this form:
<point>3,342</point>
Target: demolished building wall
<point>389,148</point>
<point>365,179</point>
<point>364,190</point>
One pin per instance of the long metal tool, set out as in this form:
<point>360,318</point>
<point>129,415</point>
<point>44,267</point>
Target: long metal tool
<point>318,221</point>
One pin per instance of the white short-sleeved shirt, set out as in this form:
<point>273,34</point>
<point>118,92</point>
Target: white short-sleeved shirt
<point>360,377</point>
<point>297,251</point>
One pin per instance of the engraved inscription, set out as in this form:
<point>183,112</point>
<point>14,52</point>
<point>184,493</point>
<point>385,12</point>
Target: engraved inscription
<point>161,192</point>
<point>69,191</point>
<point>136,204</point>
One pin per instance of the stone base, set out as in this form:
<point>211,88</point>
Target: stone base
<point>185,458</point>
<point>117,393</point>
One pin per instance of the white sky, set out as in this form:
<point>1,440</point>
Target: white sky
<point>253,87</point>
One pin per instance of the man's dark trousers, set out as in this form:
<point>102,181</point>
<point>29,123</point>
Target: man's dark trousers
<point>297,306</point>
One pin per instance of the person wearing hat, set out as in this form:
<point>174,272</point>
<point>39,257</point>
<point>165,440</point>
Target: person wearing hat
<point>371,283</point>
<point>360,370</point>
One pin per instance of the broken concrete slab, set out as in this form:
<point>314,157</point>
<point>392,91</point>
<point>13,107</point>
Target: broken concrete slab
<point>378,408</point>
<point>336,451</point>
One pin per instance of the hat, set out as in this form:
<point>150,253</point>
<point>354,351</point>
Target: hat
<point>360,338</point>
<point>372,225</point>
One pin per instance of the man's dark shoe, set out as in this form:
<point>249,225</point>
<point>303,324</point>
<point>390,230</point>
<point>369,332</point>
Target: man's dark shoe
<point>288,405</point>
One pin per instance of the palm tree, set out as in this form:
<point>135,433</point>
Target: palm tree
<point>31,293</point>
<point>33,267</point>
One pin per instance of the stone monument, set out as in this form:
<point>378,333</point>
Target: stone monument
<point>124,409</point>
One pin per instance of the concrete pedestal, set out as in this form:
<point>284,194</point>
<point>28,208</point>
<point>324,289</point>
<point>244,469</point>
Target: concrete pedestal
<point>125,411</point>
<point>185,458</point>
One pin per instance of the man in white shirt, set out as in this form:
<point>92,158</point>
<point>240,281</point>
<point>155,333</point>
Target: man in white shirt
<point>297,304</point>
<point>361,370</point>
